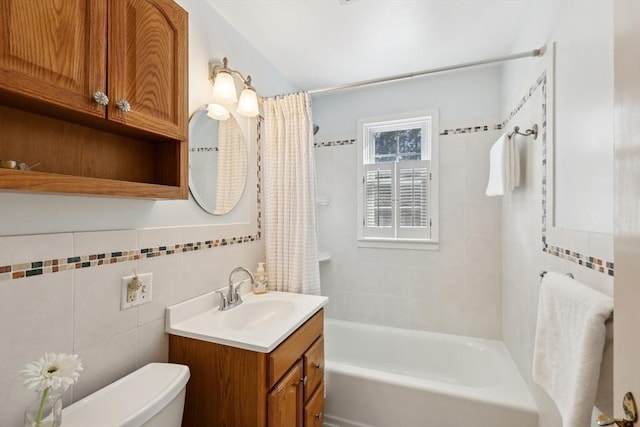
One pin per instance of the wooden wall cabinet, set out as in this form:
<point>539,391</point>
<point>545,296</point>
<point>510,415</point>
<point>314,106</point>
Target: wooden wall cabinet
<point>54,56</point>
<point>232,387</point>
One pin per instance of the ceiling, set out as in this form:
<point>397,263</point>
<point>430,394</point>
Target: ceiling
<point>320,43</point>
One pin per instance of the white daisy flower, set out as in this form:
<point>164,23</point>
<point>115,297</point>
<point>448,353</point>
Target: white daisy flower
<point>53,370</point>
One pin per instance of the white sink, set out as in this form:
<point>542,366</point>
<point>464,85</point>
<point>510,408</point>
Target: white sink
<point>260,323</point>
<point>257,314</point>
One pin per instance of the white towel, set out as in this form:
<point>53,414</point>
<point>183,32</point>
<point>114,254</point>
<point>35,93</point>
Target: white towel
<point>569,342</point>
<point>504,166</point>
<point>514,163</point>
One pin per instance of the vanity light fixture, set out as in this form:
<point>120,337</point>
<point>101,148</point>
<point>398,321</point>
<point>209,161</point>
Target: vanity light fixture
<point>217,112</point>
<point>224,93</point>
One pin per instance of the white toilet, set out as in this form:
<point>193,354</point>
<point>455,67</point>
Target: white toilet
<point>152,396</point>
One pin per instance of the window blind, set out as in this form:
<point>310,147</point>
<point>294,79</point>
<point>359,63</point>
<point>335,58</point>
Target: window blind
<point>396,201</point>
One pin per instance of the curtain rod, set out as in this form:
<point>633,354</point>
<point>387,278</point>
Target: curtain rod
<point>531,53</point>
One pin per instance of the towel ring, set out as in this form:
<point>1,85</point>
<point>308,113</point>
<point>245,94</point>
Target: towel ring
<point>544,272</point>
<point>533,131</point>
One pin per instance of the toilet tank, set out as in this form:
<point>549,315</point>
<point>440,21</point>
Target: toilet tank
<point>152,396</point>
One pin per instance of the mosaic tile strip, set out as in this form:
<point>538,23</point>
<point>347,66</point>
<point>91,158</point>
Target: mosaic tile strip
<point>19,271</point>
<point>334,143</point>
<point>456,131</point>
<point>470,129</point>
<point>37,268</point>
<point>593,263</point>
<point>259,177</point>
<point>542,80</point>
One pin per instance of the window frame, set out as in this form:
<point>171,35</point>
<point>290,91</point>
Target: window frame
<point>366,151</point>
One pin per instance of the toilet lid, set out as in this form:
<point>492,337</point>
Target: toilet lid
<point>130,401</point>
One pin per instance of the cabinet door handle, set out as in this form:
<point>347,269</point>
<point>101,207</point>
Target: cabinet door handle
<point>101,98</point>
<point>319,415</point>
<point>123,105</point>
<point>317,366</point>
<point>303,380</point>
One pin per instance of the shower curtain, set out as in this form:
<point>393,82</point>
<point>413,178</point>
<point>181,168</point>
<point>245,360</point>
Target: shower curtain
<point>290,195</point>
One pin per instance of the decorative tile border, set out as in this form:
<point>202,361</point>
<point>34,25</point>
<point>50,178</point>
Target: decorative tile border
<point>36,268</point>
<point>587,261</point>
<point>446,132</point>
<point>593,263</point>
<point>203,149</point>
<point>334,143</point>
<point>470,129</point>
<point>542,81</point>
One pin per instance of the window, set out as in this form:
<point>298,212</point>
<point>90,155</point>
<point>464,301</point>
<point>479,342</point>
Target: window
<point>397,183</point>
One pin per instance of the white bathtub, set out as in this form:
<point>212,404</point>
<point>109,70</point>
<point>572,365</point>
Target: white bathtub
<point>379,376</point>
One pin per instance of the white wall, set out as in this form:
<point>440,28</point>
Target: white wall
<point>78,310</point>
<point>583,127</point>
<point>455,289</point>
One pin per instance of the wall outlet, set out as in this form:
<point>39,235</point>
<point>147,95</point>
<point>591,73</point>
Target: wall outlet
<point>135,290</point>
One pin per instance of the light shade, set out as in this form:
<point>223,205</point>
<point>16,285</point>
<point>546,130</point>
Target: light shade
<point>217,112</point>
<point>224,88</point>
<point>248,104</point>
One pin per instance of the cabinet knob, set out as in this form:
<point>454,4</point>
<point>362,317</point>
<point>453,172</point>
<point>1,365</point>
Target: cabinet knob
<point>319,415</point>
<point>317,366</point>
<point>304,380</point>
<point>101,98</point>
<point>123,105</point>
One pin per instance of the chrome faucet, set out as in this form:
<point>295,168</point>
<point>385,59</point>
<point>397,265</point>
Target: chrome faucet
<point>233,298</point>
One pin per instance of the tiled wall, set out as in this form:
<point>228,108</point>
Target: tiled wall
<point>455,289</point>
<point>61,293</point>
<point>78,310</point>
<point>528,249</point>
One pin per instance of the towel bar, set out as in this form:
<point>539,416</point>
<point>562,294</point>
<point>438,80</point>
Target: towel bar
<point>533,131</point>
<point>543,272</point>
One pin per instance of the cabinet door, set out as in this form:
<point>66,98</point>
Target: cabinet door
<point>314,367</point>
<point>147,65</point>
<point>54,52</point>
<point>284,405</point>
<point>314,410</point>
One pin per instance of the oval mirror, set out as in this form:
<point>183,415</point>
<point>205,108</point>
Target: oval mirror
<point>217,162</point>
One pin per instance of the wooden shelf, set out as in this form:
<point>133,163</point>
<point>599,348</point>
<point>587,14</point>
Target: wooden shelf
<point>78,159</point>
<point>40,182</point>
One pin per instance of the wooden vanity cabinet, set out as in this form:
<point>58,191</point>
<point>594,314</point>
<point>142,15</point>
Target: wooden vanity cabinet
<point>232,387</point>
<point>54,56</point>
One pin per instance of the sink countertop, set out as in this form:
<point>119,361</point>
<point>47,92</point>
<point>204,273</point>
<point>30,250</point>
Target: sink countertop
<point>199,318</point>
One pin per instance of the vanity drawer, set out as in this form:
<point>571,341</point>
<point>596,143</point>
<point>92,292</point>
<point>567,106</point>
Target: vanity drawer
<point>314,366</point>
<point>293,348</point>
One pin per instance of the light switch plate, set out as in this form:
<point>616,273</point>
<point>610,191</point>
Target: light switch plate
<point>135,290</point>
